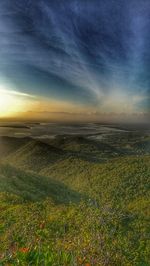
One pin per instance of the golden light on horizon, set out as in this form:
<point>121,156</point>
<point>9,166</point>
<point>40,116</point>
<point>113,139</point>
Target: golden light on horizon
<point>7,104</point>
<point>11,102</point>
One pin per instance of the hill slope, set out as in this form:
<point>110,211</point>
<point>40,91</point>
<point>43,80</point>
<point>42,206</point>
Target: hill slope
<point>35,155</point>
<point>125,178</point>
<point>32,187</point>
<point>9,145</point>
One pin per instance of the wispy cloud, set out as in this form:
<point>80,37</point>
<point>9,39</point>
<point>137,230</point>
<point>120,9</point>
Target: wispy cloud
<point>16,93</point>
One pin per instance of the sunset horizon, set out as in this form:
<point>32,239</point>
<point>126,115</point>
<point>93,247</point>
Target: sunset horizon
<point>74,62</point>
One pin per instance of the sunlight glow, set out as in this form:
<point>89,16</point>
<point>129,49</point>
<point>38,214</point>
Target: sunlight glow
<point>10,103</point>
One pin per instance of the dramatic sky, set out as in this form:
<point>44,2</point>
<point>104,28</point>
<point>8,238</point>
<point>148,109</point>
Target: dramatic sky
<point>74,59</point>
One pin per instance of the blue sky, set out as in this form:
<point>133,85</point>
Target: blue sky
<point>93,54</point>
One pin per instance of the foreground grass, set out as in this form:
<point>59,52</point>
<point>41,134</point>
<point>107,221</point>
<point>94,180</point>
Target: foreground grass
<point>43,234</point>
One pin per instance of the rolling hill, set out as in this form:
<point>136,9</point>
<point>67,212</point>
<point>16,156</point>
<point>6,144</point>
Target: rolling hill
<point>32,187</point>
<point>35,155</point>
<point>11,144</point>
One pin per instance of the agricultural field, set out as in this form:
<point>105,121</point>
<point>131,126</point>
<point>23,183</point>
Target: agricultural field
<point>74,200</point>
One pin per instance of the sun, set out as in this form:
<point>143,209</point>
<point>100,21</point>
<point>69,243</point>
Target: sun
<point>9,104</point>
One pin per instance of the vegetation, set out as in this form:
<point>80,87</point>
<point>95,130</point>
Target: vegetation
<point>75,202</point>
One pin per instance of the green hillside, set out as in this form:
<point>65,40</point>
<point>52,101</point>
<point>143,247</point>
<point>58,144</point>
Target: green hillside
<point>32,187</point>
<point>124,175</point>
<point>61,207</point>
<point>9,145</point>
<point>35,155</point>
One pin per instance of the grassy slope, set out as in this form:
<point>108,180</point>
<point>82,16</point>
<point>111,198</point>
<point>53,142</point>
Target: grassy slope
<point>108,227</point>
<point>32,187</point>
<point>123,175</point>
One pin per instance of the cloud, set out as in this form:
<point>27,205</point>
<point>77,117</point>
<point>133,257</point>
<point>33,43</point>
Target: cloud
<point>16,93</point>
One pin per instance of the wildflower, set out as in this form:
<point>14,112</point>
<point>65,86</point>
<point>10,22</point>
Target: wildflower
<point>42,225</point>
<point>24,250</point>
<point>87,264</point>
<point>1,256</point>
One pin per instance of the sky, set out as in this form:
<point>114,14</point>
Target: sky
<point>75,60</point>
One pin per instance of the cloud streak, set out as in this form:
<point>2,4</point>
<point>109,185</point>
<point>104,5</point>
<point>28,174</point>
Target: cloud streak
<point>16,93</point>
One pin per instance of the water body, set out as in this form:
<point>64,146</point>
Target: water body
<point>50,130</point>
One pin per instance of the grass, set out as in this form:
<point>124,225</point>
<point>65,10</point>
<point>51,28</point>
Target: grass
<point>74,211</point>
<point>33,187</point>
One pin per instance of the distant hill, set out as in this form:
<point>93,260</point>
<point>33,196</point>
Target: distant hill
<point>142,146</point>
<point>35,155</point>
<point>11,144</point>
<point>85,148</point>
<point>79,144</point>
